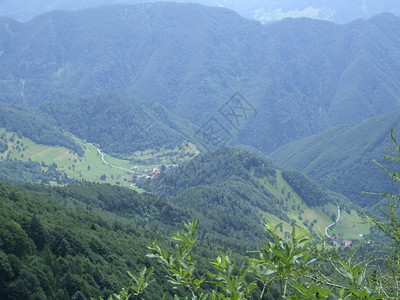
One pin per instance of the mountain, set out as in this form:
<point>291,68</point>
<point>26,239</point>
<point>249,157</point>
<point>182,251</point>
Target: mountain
<point>339,11</point>
<point>119,124</point>
<point>341,158</point>
<point>79,241</point>
<point>302,76</point>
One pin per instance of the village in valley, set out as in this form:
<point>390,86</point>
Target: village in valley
<point>140,176</point>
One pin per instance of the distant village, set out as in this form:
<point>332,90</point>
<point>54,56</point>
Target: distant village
<point>342,243</point>
<point>339,242</point>
<point>141,175</point>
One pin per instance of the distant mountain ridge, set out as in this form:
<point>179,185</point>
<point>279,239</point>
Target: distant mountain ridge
<point>341,11</point>
<point>303,76</point>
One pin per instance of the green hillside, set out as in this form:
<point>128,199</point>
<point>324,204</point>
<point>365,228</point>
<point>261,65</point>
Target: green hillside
<point>303,76</point>
<point>341,158</point>
<point>119,124</point>
<point>35,126</point>
<point>77,242</point>
<point>238,190</point>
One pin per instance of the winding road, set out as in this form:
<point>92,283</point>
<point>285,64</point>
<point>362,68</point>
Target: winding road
<point>337,220</point>
<point>111,165</point>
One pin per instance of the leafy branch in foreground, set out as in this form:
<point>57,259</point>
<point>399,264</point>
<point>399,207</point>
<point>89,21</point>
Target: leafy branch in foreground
<point>137,285</point>
<point>299,267</point>
<point>181,264</point>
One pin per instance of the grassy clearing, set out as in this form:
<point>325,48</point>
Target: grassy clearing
<point>350,225</point>
<point>165,156</point>
<point>315,218</point>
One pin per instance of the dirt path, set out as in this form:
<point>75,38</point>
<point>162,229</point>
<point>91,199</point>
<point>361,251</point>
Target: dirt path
<point>330,225</point>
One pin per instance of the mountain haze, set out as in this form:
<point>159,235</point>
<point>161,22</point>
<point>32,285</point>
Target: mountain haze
<point>119,123</point>
<point>302,75</point>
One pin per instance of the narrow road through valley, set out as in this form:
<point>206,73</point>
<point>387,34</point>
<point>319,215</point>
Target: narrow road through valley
<point>337,220</point>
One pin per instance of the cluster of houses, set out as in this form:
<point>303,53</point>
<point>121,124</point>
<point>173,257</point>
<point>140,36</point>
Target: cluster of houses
<point>339,242</point>
<point>143,174</point>
<point>150,173</point>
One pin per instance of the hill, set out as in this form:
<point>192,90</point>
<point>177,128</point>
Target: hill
<point>236,190</point>
<point>341,158</point>
<point>119,124</point>
<point>35,126</point>
<point>116,123</point>
<point>23,160</point>
<point>303,76</point>
<point>77,241</point>
<point>243,187</point>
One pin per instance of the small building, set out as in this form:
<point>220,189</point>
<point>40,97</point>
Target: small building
<point>347,243</point>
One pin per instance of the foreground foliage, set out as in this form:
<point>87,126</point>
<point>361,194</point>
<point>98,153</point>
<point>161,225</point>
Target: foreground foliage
<point>297,268</point>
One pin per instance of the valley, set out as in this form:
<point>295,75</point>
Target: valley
<point>93,165</point>
<point>270,149</point>
<point>138,174</point>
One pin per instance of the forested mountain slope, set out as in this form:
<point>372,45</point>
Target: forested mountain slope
<point>76,242</point>
<point>36,126</point>
<point>303,76</point>
<point>341,158</point>
<point>235,190</point>
<point>119,124</point>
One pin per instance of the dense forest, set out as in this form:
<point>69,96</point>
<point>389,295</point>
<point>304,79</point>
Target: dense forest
<point>342,158</point>
<point>18,171</point>
<point>118,123</point>
<point>231,190</point>
<point>77,242</point>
